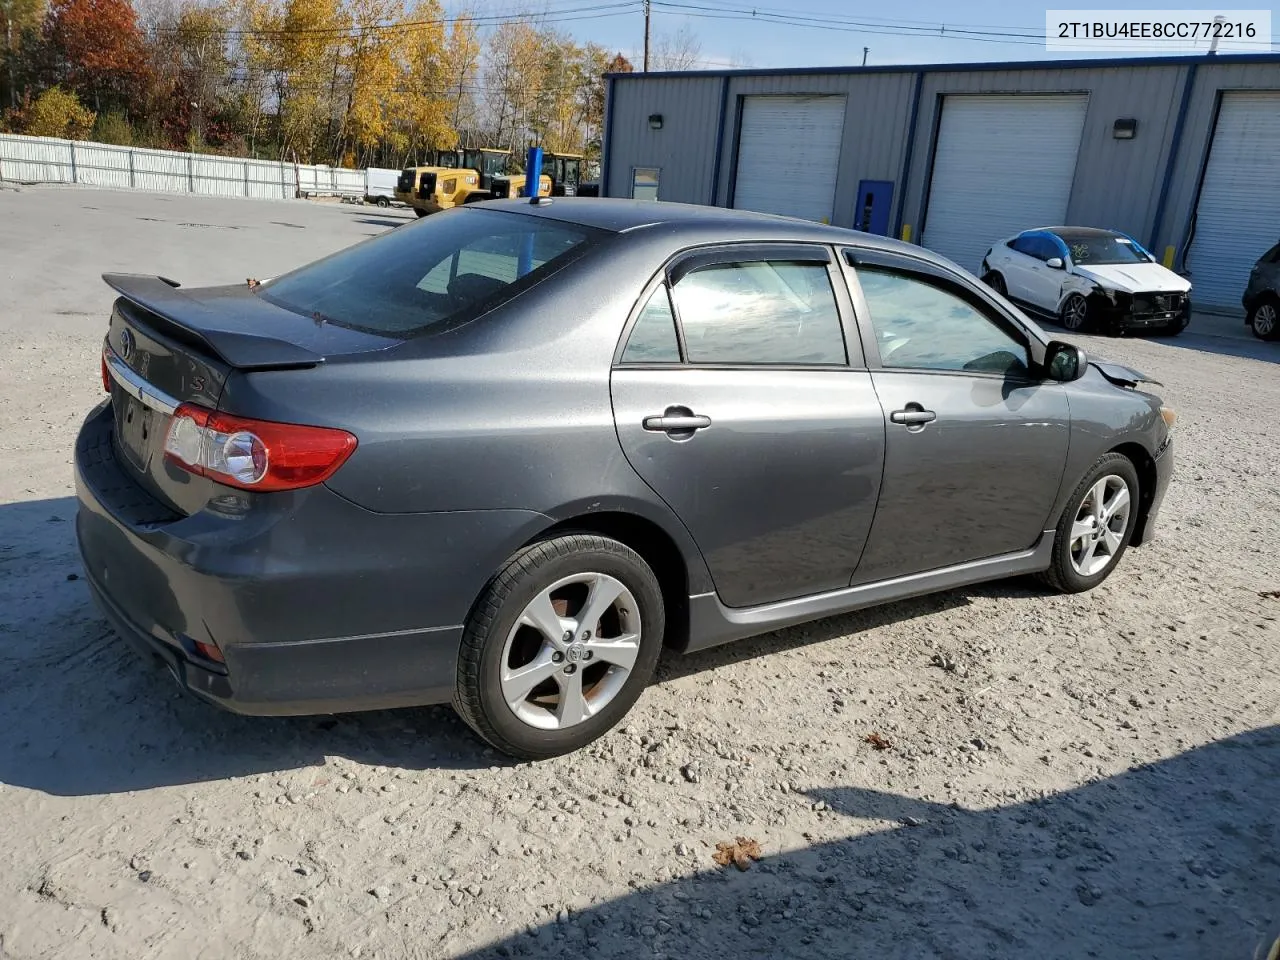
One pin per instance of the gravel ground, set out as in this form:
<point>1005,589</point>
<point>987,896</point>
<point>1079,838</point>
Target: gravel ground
<point>1089,776</point>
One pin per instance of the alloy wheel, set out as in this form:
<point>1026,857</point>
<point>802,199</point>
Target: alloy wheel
<point>1074,312</point>
<point>1264,320</point>
<point>570,651</point>
<point>1100,523</point>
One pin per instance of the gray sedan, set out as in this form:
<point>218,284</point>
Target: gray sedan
<point>503,456</point>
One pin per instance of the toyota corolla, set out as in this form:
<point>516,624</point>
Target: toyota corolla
<point>503,456</point>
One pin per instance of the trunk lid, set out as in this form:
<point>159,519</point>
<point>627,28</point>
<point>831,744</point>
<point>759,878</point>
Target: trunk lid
<point>166,346</point>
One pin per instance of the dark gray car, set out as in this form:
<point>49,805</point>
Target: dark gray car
<point>1262,296</point>
<point>501,457</point>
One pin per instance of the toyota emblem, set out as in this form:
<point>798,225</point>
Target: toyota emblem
<point>126,343</point>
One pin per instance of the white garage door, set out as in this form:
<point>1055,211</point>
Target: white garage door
<point>1238,215</point>
<point>788,154</point>
<point>1003,164</point>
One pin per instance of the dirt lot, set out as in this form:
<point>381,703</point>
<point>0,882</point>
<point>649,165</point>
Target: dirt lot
<point>1093,776</point>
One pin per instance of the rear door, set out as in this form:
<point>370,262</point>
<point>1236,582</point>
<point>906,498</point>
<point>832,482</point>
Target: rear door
<point>751,417</point>
<point>976,444</point>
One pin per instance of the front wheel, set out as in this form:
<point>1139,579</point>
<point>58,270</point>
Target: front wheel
<point>420,213</point>
<point>1074,314</point>
<point>996,283</point>
<point>1264,320</point>
<point>1096,526</point>
<point>560,646</point>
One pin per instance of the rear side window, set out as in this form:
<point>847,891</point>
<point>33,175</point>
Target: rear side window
<point>447,268</point>
<point>760,312</point>
<point>653,338</point>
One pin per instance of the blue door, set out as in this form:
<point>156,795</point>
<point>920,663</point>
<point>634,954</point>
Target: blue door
<point>871,210</point>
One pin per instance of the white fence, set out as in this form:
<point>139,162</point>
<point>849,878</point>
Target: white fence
<point>47,160</point>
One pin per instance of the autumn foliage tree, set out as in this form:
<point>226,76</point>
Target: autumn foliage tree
<point>94,48</point>
<point>354,82</point>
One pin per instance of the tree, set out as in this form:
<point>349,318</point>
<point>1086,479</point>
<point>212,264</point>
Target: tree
<point>57,113</point>
<point>680,50</point>
<point>432,83</point>
<point>460,67</point>
<point>96,49</point>
<point>19,20</point>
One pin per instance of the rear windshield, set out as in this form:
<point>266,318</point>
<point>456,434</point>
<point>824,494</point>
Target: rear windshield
<point>1102,248</point>
<point>447,268</point>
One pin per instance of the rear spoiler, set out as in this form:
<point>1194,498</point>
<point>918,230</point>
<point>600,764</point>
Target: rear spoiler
<point>231,335</point>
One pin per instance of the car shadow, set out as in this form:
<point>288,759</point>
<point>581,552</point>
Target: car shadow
<point>85,714</point>
<point>383,222</point>
<point>1170,860</point>
<point>1204,336</point>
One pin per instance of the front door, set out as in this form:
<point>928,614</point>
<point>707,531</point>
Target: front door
<point>871,212</point>
<point>976,444</point>
<point>747,418</point>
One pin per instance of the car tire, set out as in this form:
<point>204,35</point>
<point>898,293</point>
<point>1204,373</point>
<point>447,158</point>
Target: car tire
<point>502,652</point>
<point>1080,546</point>
<point>1264,319</point>
<point>1074,313</point>
<point>420,213</point>
<point>996,282</point>
<point>383,202</point>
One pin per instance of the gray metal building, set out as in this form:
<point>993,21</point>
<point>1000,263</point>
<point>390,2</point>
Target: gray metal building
<point>1181,153</point>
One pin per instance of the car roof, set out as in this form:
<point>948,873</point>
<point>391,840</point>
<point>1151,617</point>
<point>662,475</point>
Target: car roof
<point>1074,231</point>
<point>623,216</point>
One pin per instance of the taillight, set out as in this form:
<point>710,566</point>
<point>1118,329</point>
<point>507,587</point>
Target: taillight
<point>106,374</point>
<point>254,454</point>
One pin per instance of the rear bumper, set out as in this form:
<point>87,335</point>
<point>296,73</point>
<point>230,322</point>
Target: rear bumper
<point>317,605</point>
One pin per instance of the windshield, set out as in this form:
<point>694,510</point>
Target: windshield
<point>451,266</point>
<point>1102,248</point>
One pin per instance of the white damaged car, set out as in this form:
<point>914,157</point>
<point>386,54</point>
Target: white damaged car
<point>1089,280</point>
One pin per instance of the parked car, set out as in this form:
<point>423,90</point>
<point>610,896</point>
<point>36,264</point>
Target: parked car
<point>1089,279</point>
<point>503,455</point>
<point>1262,296</point>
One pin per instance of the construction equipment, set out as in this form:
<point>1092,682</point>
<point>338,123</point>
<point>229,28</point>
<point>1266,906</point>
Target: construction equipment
<point>513,184</point>
<point>566,173</point>
<point>457,177</point>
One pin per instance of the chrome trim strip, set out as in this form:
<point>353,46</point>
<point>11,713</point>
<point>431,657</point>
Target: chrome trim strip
<point>135,386</point>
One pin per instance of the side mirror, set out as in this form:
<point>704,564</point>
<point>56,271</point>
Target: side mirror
<point>1055,263</point>
<point>1064,362</point>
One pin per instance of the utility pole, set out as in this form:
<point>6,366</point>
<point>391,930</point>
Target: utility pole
<point>646,35</point>
<point>865,51</point>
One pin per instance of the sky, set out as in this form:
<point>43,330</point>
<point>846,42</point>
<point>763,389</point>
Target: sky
<point>905,32</point>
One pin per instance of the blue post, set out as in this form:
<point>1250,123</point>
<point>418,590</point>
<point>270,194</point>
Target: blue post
<point>533,172</point>
<point>532,180</point>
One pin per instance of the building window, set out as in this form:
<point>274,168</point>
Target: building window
<point>644,183</point>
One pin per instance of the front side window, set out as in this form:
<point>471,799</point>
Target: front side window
<point>921,325</point>
<point>760,312</point>
<point>445,268</point>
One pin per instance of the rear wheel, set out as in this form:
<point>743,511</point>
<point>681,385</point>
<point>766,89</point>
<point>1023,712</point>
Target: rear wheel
<point>560,646</point>
<point>1264,320</point>
<point>384,202</point>
<point>1074,314</point>
<point>420,213</point>
<point>996,283</point>
<point>1096,526</point>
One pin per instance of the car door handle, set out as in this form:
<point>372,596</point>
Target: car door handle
<point>676,420</point>
<point>914,415</point>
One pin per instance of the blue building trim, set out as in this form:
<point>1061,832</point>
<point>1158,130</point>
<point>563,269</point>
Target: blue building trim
<point>715,173</point>
<point>1075,64</point>
<point>606,143</point>
<point>907,155</point>
<point>1175,147</point>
